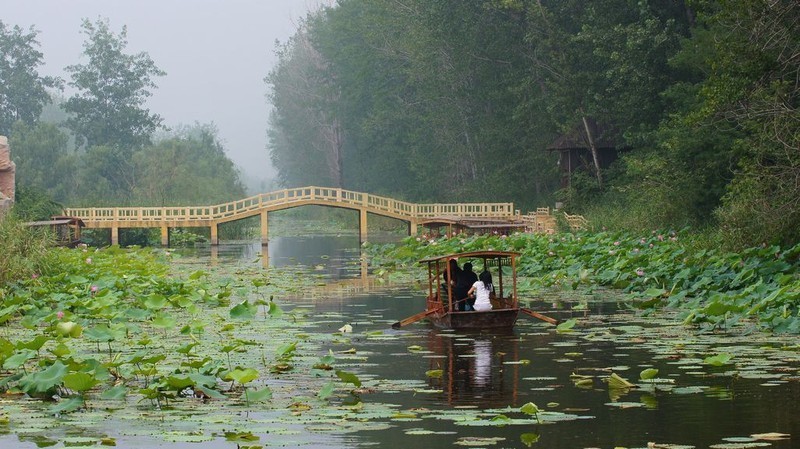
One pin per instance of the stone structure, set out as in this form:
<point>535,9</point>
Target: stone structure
<point>7,174</point>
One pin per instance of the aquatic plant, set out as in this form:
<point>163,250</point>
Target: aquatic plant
<point>714,289</point>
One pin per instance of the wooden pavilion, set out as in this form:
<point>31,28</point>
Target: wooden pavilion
<point>574,148</point>
<point>67,230</point>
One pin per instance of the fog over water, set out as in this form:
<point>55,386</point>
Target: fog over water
<point>216,54</point>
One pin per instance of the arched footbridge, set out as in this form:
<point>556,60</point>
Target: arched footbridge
<point>261,204</point>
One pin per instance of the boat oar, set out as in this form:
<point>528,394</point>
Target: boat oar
<point>538,315</point>
<point>412,319</point>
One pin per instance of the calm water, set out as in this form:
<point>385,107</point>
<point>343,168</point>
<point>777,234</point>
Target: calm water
<point>485,376</point>
<point>691,404</point>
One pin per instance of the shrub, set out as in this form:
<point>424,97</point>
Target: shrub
<point>24,250</point>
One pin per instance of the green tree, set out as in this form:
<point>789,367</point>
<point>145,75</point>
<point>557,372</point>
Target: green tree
<point>112,86</point>
<point>753,88</point>
<point>425,96</point>
<point>42,158</point>
<point>305,135</point>
<point>23,92</point>
<point>189,168</point>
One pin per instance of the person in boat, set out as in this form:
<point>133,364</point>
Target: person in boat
<point>464,282</point>
<point>482,290</point>
<point>455,271</point>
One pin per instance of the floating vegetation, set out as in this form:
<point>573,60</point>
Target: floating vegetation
<point>183,355</point>
<point>754,288</point>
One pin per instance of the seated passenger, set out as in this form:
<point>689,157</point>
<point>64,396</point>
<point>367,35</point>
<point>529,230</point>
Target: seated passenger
<point>464,281</point>
<point>482,289</point>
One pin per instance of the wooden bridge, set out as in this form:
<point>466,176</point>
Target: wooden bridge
<point>212,216</point>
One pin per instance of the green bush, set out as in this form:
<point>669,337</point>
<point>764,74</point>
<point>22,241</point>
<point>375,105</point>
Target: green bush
<point>24,249</point>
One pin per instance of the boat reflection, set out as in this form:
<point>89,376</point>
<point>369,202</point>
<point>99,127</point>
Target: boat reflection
<point>477,368</point>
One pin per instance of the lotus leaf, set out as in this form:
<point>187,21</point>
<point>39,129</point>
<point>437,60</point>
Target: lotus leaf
<point>261,395</point>
<point>45,380</point>
<point>80,381</point>
<point>242,376</point>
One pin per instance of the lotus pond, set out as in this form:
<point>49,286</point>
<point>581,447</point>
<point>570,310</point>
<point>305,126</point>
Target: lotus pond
<point>293,347</point>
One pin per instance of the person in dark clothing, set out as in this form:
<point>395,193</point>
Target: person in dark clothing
<point>464,282</point>
<point>450,282</point>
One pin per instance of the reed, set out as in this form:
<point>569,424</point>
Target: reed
<point>24,250</point>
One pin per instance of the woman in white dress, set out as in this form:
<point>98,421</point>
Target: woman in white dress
<point>482,289</point>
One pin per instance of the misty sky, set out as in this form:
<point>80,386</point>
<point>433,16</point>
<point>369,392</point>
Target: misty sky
<point>216,54</point>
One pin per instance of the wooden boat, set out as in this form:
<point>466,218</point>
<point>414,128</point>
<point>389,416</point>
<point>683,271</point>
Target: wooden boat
<point>443,307</point>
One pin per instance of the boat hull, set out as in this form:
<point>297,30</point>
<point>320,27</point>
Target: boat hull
<point>491,319</point>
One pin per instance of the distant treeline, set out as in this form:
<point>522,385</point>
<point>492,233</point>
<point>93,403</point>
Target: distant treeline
<point>457,100</point>
<point>101,146</point>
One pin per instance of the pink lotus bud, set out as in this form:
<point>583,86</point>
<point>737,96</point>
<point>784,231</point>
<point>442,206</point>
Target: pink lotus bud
<point>60,314</point>
<point>93,288</point>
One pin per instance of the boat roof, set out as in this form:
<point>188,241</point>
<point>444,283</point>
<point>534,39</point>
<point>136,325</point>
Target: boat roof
<point>487,254</point>
<point>57,221</point>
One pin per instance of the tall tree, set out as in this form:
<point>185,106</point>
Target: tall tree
<point>188,168</point>
<point>23,92</point>
<point>305,134</point>
<point>607,60</point>
<point>40,152</point>
<point>754,87</point>
<point>112,86</point>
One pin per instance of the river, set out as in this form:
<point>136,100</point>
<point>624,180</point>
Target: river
<point>420,387</point>
<point>485,377</point>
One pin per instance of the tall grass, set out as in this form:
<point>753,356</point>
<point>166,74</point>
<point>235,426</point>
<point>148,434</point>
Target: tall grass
<point>23,250</point>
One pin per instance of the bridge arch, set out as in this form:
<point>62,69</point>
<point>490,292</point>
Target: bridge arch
<point>261,204</point>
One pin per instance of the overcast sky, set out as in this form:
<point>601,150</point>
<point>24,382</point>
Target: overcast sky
<point>216,54</point>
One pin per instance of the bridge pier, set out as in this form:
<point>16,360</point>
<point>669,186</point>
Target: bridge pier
<point>115,235</point>
<point>264,228</point>
<point>362,226</point>
<point>412,228</point>
<point>214,234</point>
<point>164,236</point>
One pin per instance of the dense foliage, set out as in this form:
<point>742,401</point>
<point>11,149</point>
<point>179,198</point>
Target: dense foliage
<point>714,289</point>
<point>23,92</point>
<point>99,146</point>
<point>458,101</point>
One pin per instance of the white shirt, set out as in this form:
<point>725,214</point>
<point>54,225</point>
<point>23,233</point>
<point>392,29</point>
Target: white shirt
<point>482,302</point>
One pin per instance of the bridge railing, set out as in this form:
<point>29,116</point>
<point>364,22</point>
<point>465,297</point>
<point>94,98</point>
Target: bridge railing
<point>489,210</point>
<point>253,204</point>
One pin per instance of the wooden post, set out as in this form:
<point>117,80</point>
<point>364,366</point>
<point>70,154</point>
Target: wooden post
<point>214,236</point>
<point>362,225</point>
<point>164,236</point>
<point>412,228</point>
<point>265,255</point>
<point>115,235</point>
<point>264,228</point>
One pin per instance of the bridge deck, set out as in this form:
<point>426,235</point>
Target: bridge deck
<point>211,216</point>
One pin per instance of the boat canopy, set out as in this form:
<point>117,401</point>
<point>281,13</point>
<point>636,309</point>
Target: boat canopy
<point>487,254</point>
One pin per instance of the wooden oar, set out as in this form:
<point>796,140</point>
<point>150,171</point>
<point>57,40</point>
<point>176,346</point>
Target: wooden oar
<point>538,315</point>
<point>412,319</point>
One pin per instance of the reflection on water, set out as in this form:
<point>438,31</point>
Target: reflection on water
<point>333,257</point>
<point>473,370</point>
<point>695,407</point>
<point>495,374</point>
